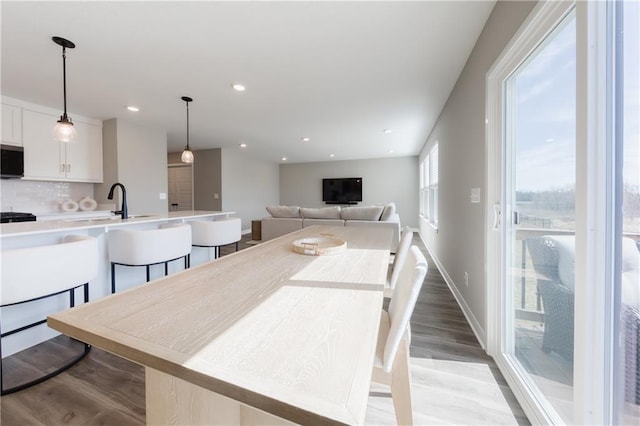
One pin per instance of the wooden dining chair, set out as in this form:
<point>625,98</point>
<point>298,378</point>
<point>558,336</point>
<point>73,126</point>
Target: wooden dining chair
<point>391,365</point>
<point>398,261</point>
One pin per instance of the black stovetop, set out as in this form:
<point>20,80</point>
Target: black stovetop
<point>7,217</point>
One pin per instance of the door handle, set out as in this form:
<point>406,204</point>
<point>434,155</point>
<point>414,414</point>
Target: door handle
<point>496,216</point>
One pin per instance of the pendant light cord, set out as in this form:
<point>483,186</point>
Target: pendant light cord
<point>64,79</point>
<point>188,126</point>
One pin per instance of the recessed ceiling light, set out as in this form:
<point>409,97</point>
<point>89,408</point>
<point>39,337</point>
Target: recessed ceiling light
<point>133,108</point>
<point>305,139</point>
<point>243,145</point>
<point>390,151</point>
<point>387,131</point>
<point>284,158</point>
<point>332,155</point>
<point>238,87</point>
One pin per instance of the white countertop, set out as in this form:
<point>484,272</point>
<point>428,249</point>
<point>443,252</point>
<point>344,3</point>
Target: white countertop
<point>40,227</point>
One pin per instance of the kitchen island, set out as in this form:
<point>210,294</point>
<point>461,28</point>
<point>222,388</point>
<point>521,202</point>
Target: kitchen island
<point>32,234</point>
<point>22,229</point>
<point>262,336</point>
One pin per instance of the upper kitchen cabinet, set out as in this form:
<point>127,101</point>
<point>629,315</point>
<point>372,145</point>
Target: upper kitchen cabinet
<point>47,159</point>
<point>11,125</point>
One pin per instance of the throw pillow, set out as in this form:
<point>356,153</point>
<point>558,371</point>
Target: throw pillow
<point>389,210</point>
<point>361,213</point>
<point>565,244</point>
<point>284,211</point>
<point>321,213</point>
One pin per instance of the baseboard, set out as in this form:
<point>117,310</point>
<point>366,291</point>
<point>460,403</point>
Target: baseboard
<point>477,329</point>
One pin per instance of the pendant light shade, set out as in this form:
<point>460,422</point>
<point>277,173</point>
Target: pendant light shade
<point>64,131</point>
<point>187,155</point>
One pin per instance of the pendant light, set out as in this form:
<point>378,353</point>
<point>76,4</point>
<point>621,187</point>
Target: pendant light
<point>187,155</point>
<point>64,130</point>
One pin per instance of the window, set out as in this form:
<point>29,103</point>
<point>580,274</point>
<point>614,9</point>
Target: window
<point>429,186</point>
<point>423,198</point>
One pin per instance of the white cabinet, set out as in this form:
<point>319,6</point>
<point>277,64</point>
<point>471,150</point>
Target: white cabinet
<point>47,159</point>
<point>11,125</point>
<point>84,155</point>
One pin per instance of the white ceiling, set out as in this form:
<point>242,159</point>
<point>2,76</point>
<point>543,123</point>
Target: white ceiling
<point>337,72</point>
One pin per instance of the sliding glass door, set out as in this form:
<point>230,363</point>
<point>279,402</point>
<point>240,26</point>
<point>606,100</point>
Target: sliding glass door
<point>541,119</point>
<point>539,170</point>
<point>626,212</point>
<point>563,229</point>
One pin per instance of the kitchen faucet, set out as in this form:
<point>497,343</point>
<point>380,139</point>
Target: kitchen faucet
<point>123,209</point>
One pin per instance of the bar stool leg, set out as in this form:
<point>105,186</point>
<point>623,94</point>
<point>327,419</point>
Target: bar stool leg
<point>113,278</point>
<point>1,379</point>
<point>236,246</point>
<point>64,367</point>
<point>147,266</point>
<point>166,269</point>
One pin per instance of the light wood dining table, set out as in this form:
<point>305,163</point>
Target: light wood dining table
<point>261,336</point>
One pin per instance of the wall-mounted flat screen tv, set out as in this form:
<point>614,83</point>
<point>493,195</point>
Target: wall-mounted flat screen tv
<point>342,190</point>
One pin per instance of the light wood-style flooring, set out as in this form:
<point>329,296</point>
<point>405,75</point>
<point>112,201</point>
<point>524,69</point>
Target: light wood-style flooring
<point>453,380</point>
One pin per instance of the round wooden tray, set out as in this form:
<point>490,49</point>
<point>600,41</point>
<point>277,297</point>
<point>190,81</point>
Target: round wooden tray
<point>319,246</point>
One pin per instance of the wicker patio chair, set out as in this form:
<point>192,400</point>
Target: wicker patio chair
<point>557,297</point>
<point>631,318</point>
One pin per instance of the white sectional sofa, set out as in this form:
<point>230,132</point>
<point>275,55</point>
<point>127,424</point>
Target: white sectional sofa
<point>285,219</point>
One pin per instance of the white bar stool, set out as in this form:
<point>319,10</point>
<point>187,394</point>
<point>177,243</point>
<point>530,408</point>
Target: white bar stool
<point>216,233</point>
<point>34,273</point>
<point>149,247</point>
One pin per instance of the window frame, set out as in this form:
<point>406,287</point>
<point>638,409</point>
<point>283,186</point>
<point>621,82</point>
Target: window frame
<point>429,186</point>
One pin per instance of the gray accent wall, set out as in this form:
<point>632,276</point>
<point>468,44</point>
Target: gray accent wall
<point>383,180</point>
<point>136,157</point>
<point>207,175</point>
<point>458,245</point>
<point>248,185</point>
<point>207,179</point>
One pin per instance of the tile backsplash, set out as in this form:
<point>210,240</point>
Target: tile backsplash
<point>40,197</point>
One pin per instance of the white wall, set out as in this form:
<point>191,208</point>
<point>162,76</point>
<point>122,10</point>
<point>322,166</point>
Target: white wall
<point>458,246</point>
<point>248,185</point>
<point>383,180</point>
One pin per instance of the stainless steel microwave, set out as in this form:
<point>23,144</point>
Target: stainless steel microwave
<point>12,164</point>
